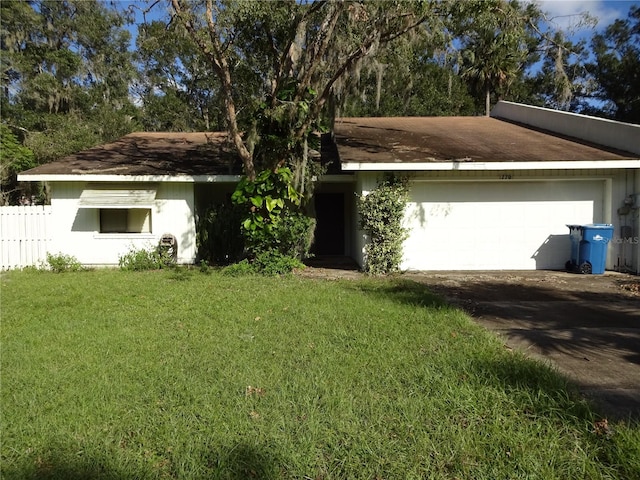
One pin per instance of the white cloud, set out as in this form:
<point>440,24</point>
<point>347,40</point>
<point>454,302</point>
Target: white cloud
<point>565,14</point>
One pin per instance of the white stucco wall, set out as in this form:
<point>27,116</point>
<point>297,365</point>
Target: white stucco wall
<point>582,196</point>
<point>76,230</point>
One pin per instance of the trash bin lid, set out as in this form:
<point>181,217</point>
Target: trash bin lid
<point>598,225</point>
<point>604,226</point>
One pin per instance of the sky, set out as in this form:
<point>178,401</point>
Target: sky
<point>564,13</point>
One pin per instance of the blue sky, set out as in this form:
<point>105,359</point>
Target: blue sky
<point>564,13</point>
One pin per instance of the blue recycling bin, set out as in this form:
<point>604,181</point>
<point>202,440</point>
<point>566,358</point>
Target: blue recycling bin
<point>589,247</point>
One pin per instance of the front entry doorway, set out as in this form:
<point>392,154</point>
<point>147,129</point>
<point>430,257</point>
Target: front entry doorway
<point>330,224</point>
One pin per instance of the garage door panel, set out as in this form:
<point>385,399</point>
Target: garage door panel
<point>520,225</point>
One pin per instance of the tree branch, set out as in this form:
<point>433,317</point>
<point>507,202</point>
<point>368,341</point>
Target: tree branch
<point>358,54</point>
<point>319,46</point>
<point>220,64</point>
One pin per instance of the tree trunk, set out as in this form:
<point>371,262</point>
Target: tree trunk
<point>487,100</point>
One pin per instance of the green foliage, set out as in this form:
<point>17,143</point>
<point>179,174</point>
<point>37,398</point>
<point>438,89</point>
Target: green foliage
<point>276,121</point>
<point>433,90</point>
<point>616,67</point>
<point>272,219</point>
<point>66,74</point>
<point>496,44</point>
<point>139,259</point>
<point>269,263</point>
<point>273,262</point>
<point>381,214</point>
<point>219,237</point>
<point>293,234</point>
<point>191,103</point>
<point>61,135</point>
<point>59,263</point>
<point>239,269</point>
<point>14,158</point>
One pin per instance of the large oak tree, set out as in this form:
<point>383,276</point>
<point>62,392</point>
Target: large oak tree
<point>300,55</point>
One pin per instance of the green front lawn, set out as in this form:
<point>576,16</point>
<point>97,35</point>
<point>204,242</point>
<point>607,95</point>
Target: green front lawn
<point>178,374</point>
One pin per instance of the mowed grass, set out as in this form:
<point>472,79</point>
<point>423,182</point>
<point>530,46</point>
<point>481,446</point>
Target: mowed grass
<point>178,374</point>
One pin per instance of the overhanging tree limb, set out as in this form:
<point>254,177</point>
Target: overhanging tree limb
<point>375,38</point>
<point>214,53</point>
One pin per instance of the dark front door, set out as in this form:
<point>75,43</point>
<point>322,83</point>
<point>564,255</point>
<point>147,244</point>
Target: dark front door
<point>329,237</point>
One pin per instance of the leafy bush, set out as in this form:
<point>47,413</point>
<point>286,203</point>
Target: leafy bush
<point>204,267</point>
<point>381,214</point>
<point>272,262</point>
<point>239,269</point>
<point>293,235</point>
<point>269,263</point>
<point>143,259</point>
<point>60,262</point>
<point>272,217</point>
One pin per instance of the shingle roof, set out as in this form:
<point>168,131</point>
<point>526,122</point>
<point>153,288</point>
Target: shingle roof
<point>161,153</point>
<point>357,140</point>
<point>447,139</point>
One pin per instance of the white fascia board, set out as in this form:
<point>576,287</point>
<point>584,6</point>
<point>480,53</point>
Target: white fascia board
<point>216,178</point>
<point>487,166</point>
<point>128,178</point>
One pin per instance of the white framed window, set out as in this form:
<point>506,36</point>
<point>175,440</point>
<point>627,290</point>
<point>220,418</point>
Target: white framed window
<point>125,220</point>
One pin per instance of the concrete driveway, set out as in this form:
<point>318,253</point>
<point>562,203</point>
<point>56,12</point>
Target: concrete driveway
<point>588,326</point>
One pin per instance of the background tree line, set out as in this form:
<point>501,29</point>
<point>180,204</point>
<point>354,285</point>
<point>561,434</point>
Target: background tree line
<point>71,77</point>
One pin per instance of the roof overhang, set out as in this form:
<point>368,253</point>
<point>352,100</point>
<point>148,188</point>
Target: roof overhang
<point>96,178</point>
<point>128,178</point>
<point>488,166</point>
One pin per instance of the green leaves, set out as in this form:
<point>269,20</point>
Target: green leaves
<point>257,202</point>
<point>616,67</point>
<point>66,75</point>
<point>272,219</point>
<point>381,214</point>
<point>273,203</point>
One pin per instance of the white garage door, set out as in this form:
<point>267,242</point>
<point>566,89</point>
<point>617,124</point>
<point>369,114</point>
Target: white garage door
<point>497,225</point>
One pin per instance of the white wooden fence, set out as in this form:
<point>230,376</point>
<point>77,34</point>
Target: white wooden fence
<point>25,234</point>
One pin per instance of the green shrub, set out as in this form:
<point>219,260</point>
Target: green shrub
<point>381,214</point>
<point>143,259</point>
<point>272,216</point>
<point>239,269</point>
<point>204,267</point>
<point>269,263</point>
<point>60,262</point>
<point>293,235</point>
<point>272,262</point>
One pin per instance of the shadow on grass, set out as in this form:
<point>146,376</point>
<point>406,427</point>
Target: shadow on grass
<point>572,325</point>
<point>59,465</point>
<point>539,391</point>
<point>534,384</point>
<point>400,290</point>
<point>244,461</point>
<point>240,461</point>
<point>567,322</point>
